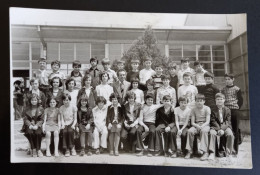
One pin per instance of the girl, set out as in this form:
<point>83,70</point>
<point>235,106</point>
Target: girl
<point>88,91</point>
<point>139,93</point>
<point>115,118</point>
<point>33,119</point>
<point>86,125</point>
<point>68,114</point>
<point>51,124</point>
<point>134,72</point>
<point>55,91</point>
<point>70,87</point>
<point>104,89</point>
<point>150,89</point>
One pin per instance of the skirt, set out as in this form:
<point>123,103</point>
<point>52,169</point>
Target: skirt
<point>51,128</point>
<point>114,128</point>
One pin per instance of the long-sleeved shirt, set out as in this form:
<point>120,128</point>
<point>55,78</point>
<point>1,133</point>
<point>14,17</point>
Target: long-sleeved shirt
<point>210,91</point>
<point>145,75</point>
<point>99,116</point>
<point>162,117</point>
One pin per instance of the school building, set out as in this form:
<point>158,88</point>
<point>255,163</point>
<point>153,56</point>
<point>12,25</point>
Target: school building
<point>218,41</point>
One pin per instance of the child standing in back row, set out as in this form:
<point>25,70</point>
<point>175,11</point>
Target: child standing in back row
<point>76,75</point>
<point>146,73</point>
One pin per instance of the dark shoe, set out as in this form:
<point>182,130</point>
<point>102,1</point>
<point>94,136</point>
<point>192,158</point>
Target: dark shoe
<point>97,151</point>
<point>82,152</point>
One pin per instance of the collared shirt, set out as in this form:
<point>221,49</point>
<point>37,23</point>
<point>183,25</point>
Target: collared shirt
<point>182,71</point>
<point>112,76</point>
<point>57,74</point>
<point>220,114</point>
<point>100,116</point>
<point>36,92</point>
<point>42,75</point>
<point>162,91</point>
<point>145,75</point>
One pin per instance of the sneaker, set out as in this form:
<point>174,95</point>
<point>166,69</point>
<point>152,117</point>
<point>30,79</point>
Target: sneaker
<point>116,153</point>
<point>111,153</point>
<point>101,150</point>
<point>174,155</point>
<point>73,152</point>
<point>204,156</point>
<point>39,153</point>
<point>67,153</point>
<point>34,153</point>
<point>188,155</point>
<point>221,154</point>
<point>48,154</point>
<point>211,156</point>
<point>150,154</point>
<point>56,154</point>
<point>89,153</point>
<point>141,153</point>
<point>97,151</point>
<point>82,152</point>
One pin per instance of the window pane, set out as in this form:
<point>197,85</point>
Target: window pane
<point>98,50</point>
<point>204,53</point>
<point>20,51</point>
<point>220,47</point>
<point>189,51</point>
<point>218,53</point>
<point>175,51</point>
<point>36,51</point>
<point>17,65</point>
<point>67,52</point>
<point>83,52</point>
<point>219,73</point>
<point>52,51</point>
<point>207,66</point>
<point>114,52</point>
<point>219,66</point>
<point>234,48</point>
<point>236,66</point>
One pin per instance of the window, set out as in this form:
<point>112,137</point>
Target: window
<point>114,52</point>
<point>175,52</point>
<point>83,52</point>
<point>52,51</point>
<point>66,52</point>
<point>20,56</point>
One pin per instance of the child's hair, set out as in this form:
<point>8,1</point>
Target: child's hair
<point>166,97</point>
<point>120,61</point>
<point>114,95</point>
<point>42,60</point>
<point>200,97</point>
<point>187,74</point>
<point>33,80</point>
<point>105,61</point>
<point>51,81</point>
<point>183,60</point>
<point>49,100</point>
<point>149,95</point>
<point>55,62</point>
<point>208,74</point>
<point>32,96</point>
<point>76,63</point>
<point>196,63</point>
<point>68,81</point>
<point>219,95</point>
<point>121,70</point>
<point>101,99</point>
<point>66,96</point>
<point>103,74</point>
<point>87,76</point>
<point>148,58</point>
<point>229,75</point>
<point>172,65</point>
<point>130,94</point>
<point>165,77</point>
<point>135,61</point>
<point>158,65</point>
<point>83,97</point>
<point>182,98</point>
<point>150,82</point>
<point>18,82</point>
<point>93,59</point>
<point>135,79</point>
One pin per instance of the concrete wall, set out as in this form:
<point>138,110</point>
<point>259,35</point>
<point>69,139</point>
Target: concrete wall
<point>238,23</point>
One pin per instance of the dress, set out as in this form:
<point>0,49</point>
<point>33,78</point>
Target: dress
<point>52,119</point>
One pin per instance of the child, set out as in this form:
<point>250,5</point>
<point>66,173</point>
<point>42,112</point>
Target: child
<point>115,118</point>
<point>221,126</point>
<point>199,80</point>
<point>139,93</point>
<point>104,89</point>
<point>55,91</point>
<point>157,78</point>
<point>100,115</point>
<point>88,91</point>
<point>147,72</point>
<point>70,86</point>
<point>234,101</point>
<point>200,118</point>
<point>120,64</point>
<point>35,90</point>
<point>210,90</point>
<point>55,66</point>
<point>18,98</point>
<point>86,125</point>
<point>134,72</point>
<point>131,113</point>
<point>150,90</point>
<point>42,75</point>
<point>112,74</point>
<point>94,72</point>
<point>76,75</point>
<point>147,124</point>
<point>33,119</point>
<point>185,62</point>
<point>173,75</point>
<point>68,115</point>
<point>166,89</point>
<point>188,90</point>
<point>182,119</point>
<point>164,123</point>
<point>51,124</point>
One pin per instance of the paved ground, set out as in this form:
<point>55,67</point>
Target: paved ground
<point>20,144</point>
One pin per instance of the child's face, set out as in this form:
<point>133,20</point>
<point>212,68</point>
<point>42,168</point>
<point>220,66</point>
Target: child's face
<point>122,76</point>
<point>167,103</point>
<point>187,80</point>
<point>55,83</point>
<point>35,85</point>
<point>135,65</point>
<point>88,82</point>
<point>120,66</point>
<point>148,64</point>
<point>198,68</point>
<point>76,68</point>
<point>55,67</point>
<point>66,102</point>
<point>53,103</point>
<point>208,80</point>
<point>114,101</point>
<point>199,103</point>
<point>93,63</point>
<point>158,70</point>
<point>106,66</point>
<point>149,101</point>
<point>84,102</point>
<point>104,77</point>
<point>42,65</point>
<point>71,85</point>
<point>183,104</point>
<point>131,100</point>
<point>166,82</point>
<point>229,81</point>
<point>135,85</point>
<point>185,64</point>
<point>172,71</point>
<point>220,101</point>
<point>149,87</point>
<point>100,105</point>
<point>34,101</point>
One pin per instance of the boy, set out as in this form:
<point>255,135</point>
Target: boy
<point>112,74</point>
<point>147,72</point>
<point>199,80</point>
<point>200,118</point>
<point>173,75</point>
<point>157,78</point>
<point>221,126</point>
<point>55,66</point>
<point>166,89</point>
<point>42,75</point>
<point>18,98</point>
<point>150,89</point>
<point>94,72</point>
<point>165,123</point>
<point>210,90</point>
<point>185,67</point>
<point>188,90</point>
<point>234,101</point>
<point>134,72</point>
<point>120,64</point>
<point>76,75</point>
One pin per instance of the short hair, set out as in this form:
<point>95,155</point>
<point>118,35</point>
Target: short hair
<point>148,58</point>
<point>149,95</point>
<point>166,97</point>
<point>120,61</point>
<point>166,77</point>
<point>33,80</point>
<point>93,59</point>
<point>105,61</point>
<point>66,96</point>
<point>158,65</point>
<point>114,95</point>
<point>103,74</point>
<point>150,81</point>
<point>200,97</point>
<point>196,63</point>
<point>18,82</point>
<point>121,70</point>
<point>187,74</point>
<point>208,74</point>
<point>87,76</point>
<point>220,95</point>
<point>130,94</point>
<point>135,79</point>
<point>229,75</point>
<point>60,82</point>
<point>182,98</point>
<point>49,100</point>
<point>68,81</point>
<point>55,62</point>
<point>42,60</point>
<point>101,99</point>
<point>172,66</point>
<point>76,63</point>
<point>185,59</point>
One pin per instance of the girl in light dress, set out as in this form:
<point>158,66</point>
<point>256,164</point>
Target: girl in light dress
<point>139,93</point>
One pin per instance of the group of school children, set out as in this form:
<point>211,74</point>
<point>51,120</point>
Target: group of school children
<point>114,109</point>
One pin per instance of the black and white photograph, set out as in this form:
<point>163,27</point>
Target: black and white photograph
<point>100,87</point>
